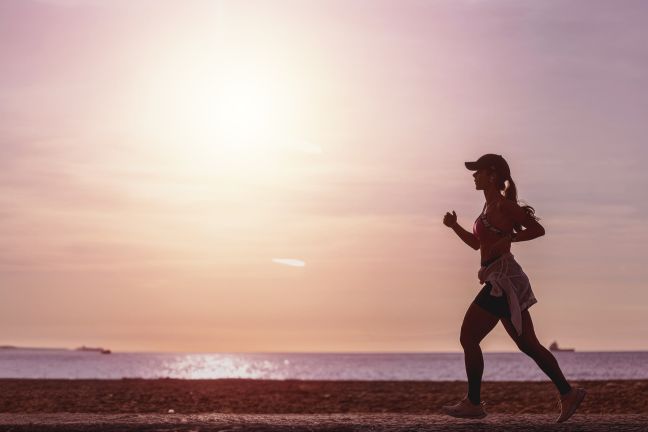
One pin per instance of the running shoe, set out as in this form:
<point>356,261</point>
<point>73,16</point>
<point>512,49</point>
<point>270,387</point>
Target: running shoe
<point>569,403</point>
<point>465,409</point>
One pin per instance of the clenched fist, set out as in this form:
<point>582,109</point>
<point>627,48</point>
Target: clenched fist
<point>450,219</point>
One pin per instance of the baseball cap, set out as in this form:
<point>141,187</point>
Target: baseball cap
<point>492,161</point>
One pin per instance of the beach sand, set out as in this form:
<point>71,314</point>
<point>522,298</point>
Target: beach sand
<point>304,397</point>
<point>317,423</point>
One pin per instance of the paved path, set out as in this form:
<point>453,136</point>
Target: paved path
<point>314,422</point>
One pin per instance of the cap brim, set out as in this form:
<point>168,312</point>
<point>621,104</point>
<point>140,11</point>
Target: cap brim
<point>472,166</point>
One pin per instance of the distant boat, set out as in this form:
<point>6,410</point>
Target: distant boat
<point>554,347</point>
<point>91,349</point>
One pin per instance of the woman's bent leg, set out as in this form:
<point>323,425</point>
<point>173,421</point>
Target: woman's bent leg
<point>528,343</point>
<point>476,325</point>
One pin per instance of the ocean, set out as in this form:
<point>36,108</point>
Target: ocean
<point>70,364</point>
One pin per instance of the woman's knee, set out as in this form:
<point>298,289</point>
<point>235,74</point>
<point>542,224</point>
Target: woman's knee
<point>476,325</point>
<point>468,340</point>
<point>530,348</point>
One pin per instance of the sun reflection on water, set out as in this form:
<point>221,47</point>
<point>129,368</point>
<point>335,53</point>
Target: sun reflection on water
<point>214,366</point>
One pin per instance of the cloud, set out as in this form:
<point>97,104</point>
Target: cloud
<point>289,262</point>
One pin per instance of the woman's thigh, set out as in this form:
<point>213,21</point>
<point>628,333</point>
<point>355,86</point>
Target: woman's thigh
<point>477,323</point>
<point>528,339</point>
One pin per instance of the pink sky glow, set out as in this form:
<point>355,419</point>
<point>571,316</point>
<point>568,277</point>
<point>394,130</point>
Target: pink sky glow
<point>272,175</point>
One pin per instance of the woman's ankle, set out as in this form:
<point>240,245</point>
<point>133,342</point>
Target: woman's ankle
<point>563,390</point>
<point>474,400</point>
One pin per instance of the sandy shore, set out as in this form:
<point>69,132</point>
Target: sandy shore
<point>303,397</point>
<point>316,423</point>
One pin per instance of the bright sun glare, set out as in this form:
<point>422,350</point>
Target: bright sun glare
<point>239,113</point>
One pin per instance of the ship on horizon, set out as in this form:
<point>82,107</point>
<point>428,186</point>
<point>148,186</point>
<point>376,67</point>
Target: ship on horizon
<point>91,349</point>
<point>554,347</point>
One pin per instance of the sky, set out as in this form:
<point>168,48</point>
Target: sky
<point>208,176</point>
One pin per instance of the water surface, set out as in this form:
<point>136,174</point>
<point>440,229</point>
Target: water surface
<point>423,366</point>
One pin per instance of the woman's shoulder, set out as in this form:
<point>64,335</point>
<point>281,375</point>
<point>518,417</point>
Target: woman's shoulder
<point>506,205</point>
<point>512,210</point>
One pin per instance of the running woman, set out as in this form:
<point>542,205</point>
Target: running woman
<point>506,295</point>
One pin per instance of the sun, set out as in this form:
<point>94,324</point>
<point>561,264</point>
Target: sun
<point>248,111</point>
<point>239,112</point>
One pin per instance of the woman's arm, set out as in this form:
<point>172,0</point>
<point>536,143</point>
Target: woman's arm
<point>469,238</point>
<point>532,228</point>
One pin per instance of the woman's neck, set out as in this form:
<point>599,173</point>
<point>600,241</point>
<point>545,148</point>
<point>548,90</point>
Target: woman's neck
<point>492,196</point>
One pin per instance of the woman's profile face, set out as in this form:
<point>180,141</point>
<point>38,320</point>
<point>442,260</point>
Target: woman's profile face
<point>482,178</point>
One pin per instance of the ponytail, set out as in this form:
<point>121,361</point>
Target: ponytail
<point>510,193</point>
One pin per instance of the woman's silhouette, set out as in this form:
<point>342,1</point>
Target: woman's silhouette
<point>506,295</point>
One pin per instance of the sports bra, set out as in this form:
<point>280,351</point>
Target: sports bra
<point>481,226</point>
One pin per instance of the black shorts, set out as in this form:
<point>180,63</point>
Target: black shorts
<point>498,306</point>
